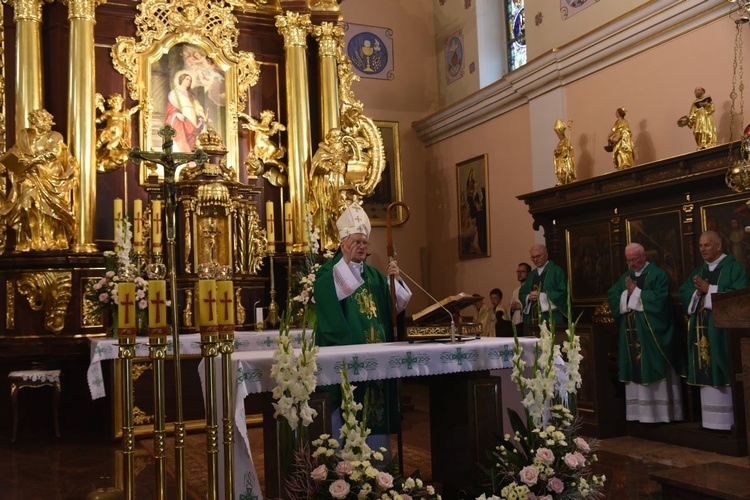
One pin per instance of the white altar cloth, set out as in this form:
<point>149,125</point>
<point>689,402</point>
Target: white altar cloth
<point>106,348</point>
<point>364,362</point>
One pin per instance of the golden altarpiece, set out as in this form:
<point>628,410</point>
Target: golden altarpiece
<point>255,85</point>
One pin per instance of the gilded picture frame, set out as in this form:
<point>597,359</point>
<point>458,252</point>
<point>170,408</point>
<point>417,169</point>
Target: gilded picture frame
<point>390,188</point>
<point>729,219</point>
<point>659,233</point>
<point>473,208</point>
<point>167,68</point>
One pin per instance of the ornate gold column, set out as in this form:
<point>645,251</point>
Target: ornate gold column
<point>329,36</point>
<point>29,91</point>
<point>294,27</point>
<point>81,116</point>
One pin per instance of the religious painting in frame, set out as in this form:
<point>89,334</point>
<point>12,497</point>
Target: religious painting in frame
<point>189,76</point>
<point>729,219</point>
<point>473,208</point>
<point>660,236</point>
<point>589,260</point>
<point>390,188</point>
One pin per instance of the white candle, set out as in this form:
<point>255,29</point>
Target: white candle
<point>270,228</point>
<point>288,229</point>
<point>138,225</point>
<point>258,315</point>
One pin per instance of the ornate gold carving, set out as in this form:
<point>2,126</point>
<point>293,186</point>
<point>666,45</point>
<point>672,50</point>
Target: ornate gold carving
<point>239,212</point>
<point>188,207</point>
<point>257,243</point>
<point>90,315</point>
<point>10,300</point>
<point>50,292</point>
<point>43,176</point>
<point>27,10</point>
<point>187,313</point>
<point>82,9</point>
<point>239,308</point>
<point>264,159</point>
<point>323,5</point>
<point>603,314</point>
<point>328,36</point>
<point>294,27</point>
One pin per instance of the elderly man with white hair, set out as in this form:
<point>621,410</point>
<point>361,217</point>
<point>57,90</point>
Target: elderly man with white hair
<point>354,307</point>
<point>648,357</point>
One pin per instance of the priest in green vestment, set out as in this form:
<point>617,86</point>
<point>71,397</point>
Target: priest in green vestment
<point>649,359</point>
<point>545,290</point>
<point>354,307</point>
<point>708,348</point>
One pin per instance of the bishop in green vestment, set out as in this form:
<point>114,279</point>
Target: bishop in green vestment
<point>545,290</point>
<point>708,349</point>
<point>354,307</point>
<point>649,359</point>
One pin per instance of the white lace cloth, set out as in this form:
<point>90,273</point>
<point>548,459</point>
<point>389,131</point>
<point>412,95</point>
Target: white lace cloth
<point>51,376</point>
<point>106,348</point>
<point>364,362</point>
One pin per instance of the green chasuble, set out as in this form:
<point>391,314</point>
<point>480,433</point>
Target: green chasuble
<point>364,317</point>
<point>552,282</point>
<point>647,343</point>
<point>708,350</point>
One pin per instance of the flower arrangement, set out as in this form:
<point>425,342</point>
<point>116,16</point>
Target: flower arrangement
<point>295,377</point>
<point>352,472</point>
<point>544,458</point>
<point>118,267</point>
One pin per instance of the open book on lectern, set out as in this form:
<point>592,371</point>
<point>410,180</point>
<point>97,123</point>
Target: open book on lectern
<point>435,314</point>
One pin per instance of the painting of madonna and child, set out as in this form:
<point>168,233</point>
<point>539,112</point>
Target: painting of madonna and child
<point>188,92</point>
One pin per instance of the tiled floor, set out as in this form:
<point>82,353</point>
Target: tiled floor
<point>38,466</point>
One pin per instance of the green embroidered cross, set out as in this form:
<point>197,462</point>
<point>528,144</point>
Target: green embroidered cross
<point>409,360</point>
<point>355,365</point>
<point>459,356</point>
<point>102,350</point>
<point>268,342</point>
<point>506,353</point>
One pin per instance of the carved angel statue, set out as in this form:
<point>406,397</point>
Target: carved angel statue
<point>265,157</point>
<point>565,169</point>
<point>113,141</point>
<point>43,176</point>
<point>326,179</point>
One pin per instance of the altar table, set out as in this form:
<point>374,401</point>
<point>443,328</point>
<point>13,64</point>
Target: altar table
<point>103,349</point>
<point>363,362</point>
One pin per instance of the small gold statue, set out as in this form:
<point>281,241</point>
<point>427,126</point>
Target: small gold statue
<point>565,168</point>
<point>265,156</point>
<point>701,119</point>
<point>327,177</point>
<point>113,141</point>
<point>620,142</point>
<point>43,177</point>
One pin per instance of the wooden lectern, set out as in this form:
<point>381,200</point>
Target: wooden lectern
<point>732,311</point>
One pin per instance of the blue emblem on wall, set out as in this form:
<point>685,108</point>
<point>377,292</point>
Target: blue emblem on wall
<point>368,53</point>
<point>454,57</point>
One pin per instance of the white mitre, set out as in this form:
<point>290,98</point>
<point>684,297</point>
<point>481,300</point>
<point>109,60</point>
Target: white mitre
<point>353,220</point>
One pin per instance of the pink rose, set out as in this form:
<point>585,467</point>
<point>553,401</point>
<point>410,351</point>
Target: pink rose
<point>529,475</point>
<point>103,297</point>
<point>404,496</point>
<point>343,468</point>
<point>319,473</point>
<point>339,489</point>
<point>545,455</point>
<point>582,444</point>
<point>142,304</point>
<point>384,480</point>
<point>581,459</point>
<point>556,485</point>
<point>571,460</point>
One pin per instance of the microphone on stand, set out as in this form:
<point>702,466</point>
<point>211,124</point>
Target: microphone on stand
<point>450,314</point>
